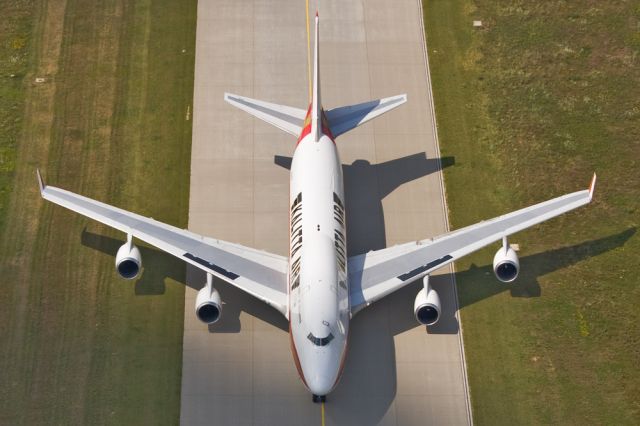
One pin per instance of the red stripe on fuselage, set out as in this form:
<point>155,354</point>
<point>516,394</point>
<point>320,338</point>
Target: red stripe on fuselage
<point>296,360</point>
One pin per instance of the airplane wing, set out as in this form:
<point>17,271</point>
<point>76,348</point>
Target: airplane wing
<point>284,117</point>
<point>346,118</point>
<point>378,273</point>
<point>261,274</point>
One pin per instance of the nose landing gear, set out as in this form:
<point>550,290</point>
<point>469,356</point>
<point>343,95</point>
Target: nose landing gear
<point>319,398</point>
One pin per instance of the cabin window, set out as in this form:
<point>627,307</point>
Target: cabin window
<point>296,283</point>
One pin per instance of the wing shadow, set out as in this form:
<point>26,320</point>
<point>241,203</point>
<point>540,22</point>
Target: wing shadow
<point>479,283</point>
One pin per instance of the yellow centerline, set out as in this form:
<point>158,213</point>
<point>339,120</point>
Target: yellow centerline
<point>322,407</point>
<point>308,50</point>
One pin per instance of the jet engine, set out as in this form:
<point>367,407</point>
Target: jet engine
<point>128,260</point>
<point>506,264</point>
<point>427,305</point>
<point>208,304</point>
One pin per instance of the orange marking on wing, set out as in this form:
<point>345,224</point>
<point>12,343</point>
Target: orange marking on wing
<point>342,361</point>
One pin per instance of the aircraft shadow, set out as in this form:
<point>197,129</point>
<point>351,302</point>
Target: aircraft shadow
<point>366,185</point>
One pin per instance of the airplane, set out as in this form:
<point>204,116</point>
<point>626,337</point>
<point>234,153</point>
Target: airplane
<point>317,288</point>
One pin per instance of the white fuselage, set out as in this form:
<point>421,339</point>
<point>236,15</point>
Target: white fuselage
<point>318,286</point>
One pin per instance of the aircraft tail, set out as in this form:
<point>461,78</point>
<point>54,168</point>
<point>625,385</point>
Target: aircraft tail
<point>293,120</point>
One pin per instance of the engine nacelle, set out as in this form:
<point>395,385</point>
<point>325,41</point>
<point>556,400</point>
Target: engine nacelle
<point>208,305</point>
<point>128,261</point>
<point>427,306</point>
<point>506,265</point>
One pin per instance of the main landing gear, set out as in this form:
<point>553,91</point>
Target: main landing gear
<point>319,398</point>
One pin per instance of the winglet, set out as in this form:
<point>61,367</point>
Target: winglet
<point>592,187</point>
<point>40,181</point>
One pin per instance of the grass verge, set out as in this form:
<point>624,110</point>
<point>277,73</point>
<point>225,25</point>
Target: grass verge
<point>109,121</point>
<point>15,34</point>
<point>530,105</point>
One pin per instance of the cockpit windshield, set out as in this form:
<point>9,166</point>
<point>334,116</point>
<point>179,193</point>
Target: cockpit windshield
<point>320,341</point>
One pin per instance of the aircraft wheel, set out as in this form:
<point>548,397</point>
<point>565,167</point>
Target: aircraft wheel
<point>319,398</point>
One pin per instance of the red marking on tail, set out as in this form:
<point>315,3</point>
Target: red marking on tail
<point>306,127</point>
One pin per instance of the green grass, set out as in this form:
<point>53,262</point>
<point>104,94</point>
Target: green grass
<point>530,105</point>
<point>79,345</point>
<point>15,32</point>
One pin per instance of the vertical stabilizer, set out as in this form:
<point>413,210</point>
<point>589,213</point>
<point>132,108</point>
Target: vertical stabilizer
<point>316,106</point>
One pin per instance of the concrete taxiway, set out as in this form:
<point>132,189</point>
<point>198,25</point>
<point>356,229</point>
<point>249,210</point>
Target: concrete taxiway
<point>240,370</point>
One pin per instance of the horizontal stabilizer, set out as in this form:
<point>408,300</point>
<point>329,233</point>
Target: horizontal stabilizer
<point>283,117</point>
<point>343,119</point>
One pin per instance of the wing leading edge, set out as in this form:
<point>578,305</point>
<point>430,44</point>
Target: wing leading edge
<point>261,274</point>
<point>378,273</point>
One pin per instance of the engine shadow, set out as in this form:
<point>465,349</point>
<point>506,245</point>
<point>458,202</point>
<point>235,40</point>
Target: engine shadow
<point>157,265</point>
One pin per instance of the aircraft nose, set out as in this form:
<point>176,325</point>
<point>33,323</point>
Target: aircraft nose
<point>320,385</point>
